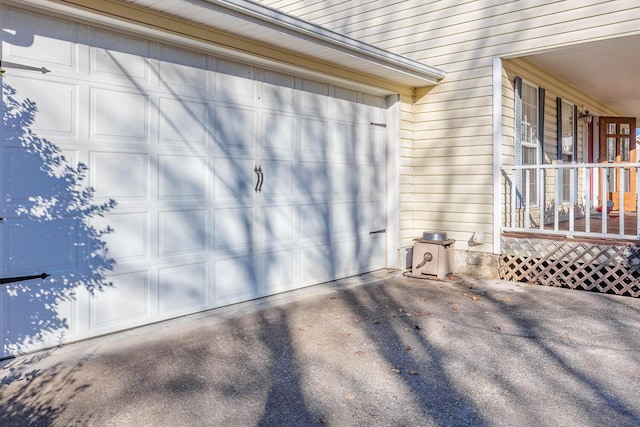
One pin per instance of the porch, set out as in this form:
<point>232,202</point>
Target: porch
<point>556,231</point>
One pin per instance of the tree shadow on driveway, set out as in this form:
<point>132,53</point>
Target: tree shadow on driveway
<point>396,351</point>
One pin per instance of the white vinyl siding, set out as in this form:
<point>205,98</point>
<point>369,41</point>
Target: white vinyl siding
<point>453,124</point>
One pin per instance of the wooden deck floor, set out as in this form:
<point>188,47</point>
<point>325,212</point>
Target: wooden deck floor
<point>630,225</point>
<point>595,226</point>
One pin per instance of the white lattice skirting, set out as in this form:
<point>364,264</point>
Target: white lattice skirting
<point>609,267</point>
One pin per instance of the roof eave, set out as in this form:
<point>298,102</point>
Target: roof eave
<point>290,25</point>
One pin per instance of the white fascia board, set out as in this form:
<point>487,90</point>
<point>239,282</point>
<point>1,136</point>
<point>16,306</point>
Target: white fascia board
<point>281,22</point>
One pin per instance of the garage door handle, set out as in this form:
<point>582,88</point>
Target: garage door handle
<point>258,171</point>
<point>255,169</point>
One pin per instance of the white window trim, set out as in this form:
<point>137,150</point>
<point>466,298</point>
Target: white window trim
<point>535,144</point>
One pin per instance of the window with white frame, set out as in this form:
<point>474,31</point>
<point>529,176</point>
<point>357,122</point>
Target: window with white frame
<point>567,148</point>
<point>529,141</point>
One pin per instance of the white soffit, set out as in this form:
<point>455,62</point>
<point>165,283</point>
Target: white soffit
<point>267,25</point>
<point>607,70</point>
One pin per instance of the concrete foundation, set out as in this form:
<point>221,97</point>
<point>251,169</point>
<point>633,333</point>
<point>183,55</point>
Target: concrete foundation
<point>470,263</point>
<point>477,264</point>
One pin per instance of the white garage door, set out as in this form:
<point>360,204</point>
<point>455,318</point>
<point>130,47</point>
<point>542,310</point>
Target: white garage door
<point>231,182</point>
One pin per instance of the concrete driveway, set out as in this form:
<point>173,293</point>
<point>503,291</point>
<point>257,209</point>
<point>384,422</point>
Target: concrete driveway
<point>382,349</point>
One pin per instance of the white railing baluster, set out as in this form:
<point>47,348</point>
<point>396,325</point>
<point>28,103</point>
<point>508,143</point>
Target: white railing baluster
<point>527,221</point>
<point>588,186</point>
<point>557,202</point>
<point>637,202</point>
<point>572,198</point>
<point>514,191</point>
<point>596,181</point>
<point>604,203</point>
<point>623,189</point>
<point>541,183</point>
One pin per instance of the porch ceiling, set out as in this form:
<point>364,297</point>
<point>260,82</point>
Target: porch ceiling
<point>608,70</point>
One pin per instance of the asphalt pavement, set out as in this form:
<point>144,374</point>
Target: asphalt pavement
<point>375,350</point>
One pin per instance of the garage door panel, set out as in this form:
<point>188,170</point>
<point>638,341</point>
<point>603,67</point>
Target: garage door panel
<point>345,219</point>
<point>377,258</point>
<point>34,322</point>
<point>345,107</point>
<point>323,262</point>
<point>318,263</point>
<point>277,179</point>
<point>357,181</point>
<point>356,219</point>
<point>344,100</point>
<point>358,256</point>
<point>182,232</point>
<point>55,105</point>
<point>365,256</point>
<point>365,180</point>
<point>371,216</point>
<point>346,180</point>
<point>121,176</point>
<point>278,135</point>
<point>278,91</point>
<point>233,230</point>
<point>182,178</point>
<point>234,131</point>
<point>235,279</point>
<point>344,143</point>
<point>31,245</point>
<point>183,121</point>
<point>235,179</point>
<point>39,41</point>
<point>378,112</point>
<point>278,225</point>
<point>314,222</point>
<point>314,139</point>
<point>183,289</point>
<point>314,98</point>
<point>123,305</point>
<point>371,180</point>
<point>359,144</point>
<point>371,147</point>
<point>25,183</point>
<point>119,116</point>
<point>313,183</point>
<point>278,270</point>
<point>129,240</point>
<point>234,82</point>
<point>182,71</point>
<point>119,59</point>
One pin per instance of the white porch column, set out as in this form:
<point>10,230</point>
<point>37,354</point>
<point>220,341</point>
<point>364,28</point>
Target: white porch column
<point>497,152</point>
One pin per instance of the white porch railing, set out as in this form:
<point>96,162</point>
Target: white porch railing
<point>535,199</point>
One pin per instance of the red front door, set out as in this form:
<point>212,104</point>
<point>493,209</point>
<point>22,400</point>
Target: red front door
<point>618,146</point>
